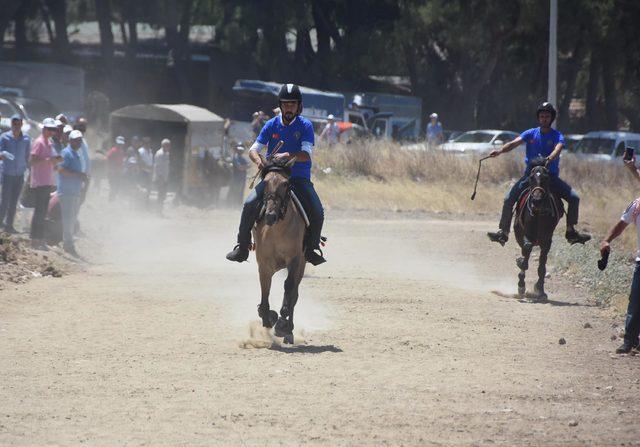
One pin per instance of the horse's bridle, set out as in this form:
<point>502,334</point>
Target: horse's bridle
<point>281,203</point>
<point>544,194</point>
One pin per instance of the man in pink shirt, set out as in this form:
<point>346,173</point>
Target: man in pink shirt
<point>42,161</point>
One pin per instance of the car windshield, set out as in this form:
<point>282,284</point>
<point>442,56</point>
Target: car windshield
<point>474,137</point>
<point>596,146</point>
<point>38,109</point>
<point>6,111</point>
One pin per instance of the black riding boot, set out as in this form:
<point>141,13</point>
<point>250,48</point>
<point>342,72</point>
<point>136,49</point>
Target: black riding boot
<point>575,237</point>
<point>498,236</point>
<point>312,251</point>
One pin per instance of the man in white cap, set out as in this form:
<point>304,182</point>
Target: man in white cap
<point>70,180</point>
<point>435,135</point>
<point>145,157</point>
<point>66,130</point>
<point>56,138</point>
<point>331,132</point>
<point>161,171</point>
<point>115,167</point>
<point>42,180</point>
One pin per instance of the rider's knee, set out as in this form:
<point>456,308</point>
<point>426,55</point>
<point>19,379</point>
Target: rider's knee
<point>574,197</point>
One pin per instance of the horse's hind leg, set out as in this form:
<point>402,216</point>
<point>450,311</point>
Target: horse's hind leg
<point>284,326</point>
<point>269,317</point>
<point>542,271</point>
<point>523,265</point>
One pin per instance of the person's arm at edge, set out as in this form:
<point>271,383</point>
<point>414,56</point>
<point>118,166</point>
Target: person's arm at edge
<point>615,231</point>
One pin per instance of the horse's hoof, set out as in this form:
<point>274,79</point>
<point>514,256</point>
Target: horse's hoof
<point>270,319</point>
<point>283,327</point>
<point>288,339</point>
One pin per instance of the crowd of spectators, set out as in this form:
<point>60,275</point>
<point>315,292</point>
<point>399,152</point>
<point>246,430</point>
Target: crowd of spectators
<point>51,171</point>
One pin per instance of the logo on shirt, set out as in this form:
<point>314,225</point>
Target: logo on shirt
<point>297,135</point>
<point>532,141</point>
<point>275,136</point>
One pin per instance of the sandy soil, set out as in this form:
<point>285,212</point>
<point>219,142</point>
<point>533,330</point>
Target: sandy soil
<point>400,341</point>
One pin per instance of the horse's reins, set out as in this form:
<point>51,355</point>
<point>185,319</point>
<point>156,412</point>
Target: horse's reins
<point>275,151</point>
<point>473,196</point>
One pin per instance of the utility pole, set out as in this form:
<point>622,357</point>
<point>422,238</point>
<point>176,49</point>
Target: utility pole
<point>553,54</point>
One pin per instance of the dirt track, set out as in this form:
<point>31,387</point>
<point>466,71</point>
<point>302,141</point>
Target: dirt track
<point>405,345</point>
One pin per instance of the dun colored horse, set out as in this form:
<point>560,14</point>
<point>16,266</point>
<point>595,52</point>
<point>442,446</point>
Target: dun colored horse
<point>278,236</point>
<point>537,214</point>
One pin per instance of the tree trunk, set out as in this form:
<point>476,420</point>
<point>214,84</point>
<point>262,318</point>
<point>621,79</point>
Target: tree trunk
<point>129,16</point>
<point>58,10</point>
<point>177,42</point>
<point>20,30</point>
<point>47,22</point>
<point>609,87</point>
<point>8,9</point>
<point>574,67</point>
<point>592,90</point>
<point>323,38</point>
<point>103,15</point>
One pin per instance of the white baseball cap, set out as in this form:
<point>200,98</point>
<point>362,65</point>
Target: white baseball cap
<point>75,134</point>
<point>67,129</point>
<point>49,123</point>
<point>330,117</point>
<point>165,141</point>
<point>119,139</point>
<point>433,115</point>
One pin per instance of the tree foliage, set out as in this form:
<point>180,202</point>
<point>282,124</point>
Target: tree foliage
<point>480,63</point>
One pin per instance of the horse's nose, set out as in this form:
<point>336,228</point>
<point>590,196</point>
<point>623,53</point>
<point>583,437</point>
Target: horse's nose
<point>270,218</point>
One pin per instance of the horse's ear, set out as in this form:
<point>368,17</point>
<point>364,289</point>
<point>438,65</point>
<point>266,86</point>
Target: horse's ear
<point>290,163</point>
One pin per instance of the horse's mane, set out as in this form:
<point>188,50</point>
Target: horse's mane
<point>276,165</point>
<point>538,161</point>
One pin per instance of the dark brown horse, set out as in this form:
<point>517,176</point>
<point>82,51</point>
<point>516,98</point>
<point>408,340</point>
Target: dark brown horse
<point>278,236</point>
<point>537,214</point>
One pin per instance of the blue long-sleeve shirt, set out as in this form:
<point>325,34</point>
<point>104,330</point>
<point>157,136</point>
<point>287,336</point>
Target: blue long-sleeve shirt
<point>20,148</point>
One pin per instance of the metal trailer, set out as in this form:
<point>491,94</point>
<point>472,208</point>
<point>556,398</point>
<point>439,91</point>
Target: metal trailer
<point>191,130</point>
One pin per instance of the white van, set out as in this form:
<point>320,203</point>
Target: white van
<point>606,145</point>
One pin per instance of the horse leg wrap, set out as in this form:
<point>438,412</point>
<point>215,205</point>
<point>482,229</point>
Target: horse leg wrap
<point>263,310</point>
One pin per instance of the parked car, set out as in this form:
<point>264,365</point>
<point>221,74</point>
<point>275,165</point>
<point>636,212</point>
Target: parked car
<point>479,141</point>
<point>450,135</point>
<point>36,109</point>
<point>606,145</point>
<point>571,141</point>
<point>8,108</point>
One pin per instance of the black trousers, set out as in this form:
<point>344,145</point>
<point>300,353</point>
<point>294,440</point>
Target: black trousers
<point>41,195</point>
<point>11,188</point>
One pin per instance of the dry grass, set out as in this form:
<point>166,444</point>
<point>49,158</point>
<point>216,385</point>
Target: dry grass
<point>383,176</point>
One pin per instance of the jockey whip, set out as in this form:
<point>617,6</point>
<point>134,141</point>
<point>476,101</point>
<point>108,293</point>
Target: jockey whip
<point>275,151</point>
<point>475,187</point>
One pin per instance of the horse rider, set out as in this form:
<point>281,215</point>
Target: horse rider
<point>543,141</point>
<point>296,132</point>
